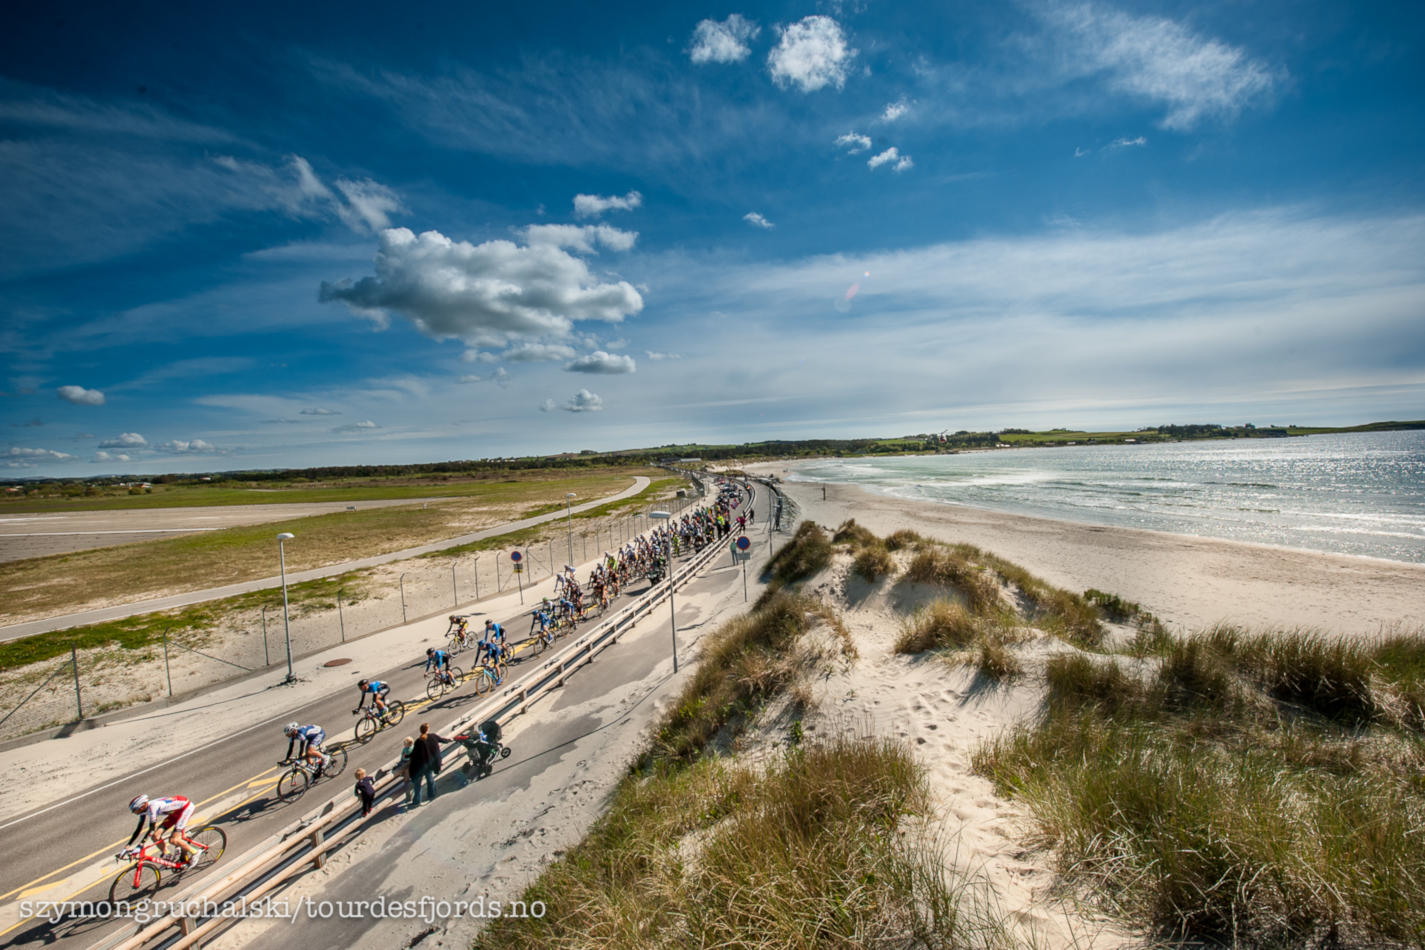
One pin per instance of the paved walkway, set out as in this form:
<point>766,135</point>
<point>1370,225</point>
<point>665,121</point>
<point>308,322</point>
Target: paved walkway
<point>118,611</point>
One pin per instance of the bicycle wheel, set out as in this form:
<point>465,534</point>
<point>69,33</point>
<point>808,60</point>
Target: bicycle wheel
<point>435,688</point>
<point>483,681</point>
<point>395,711</point>
<point>336,763</point>
<point>456,677</point>
<point>212,842</point>
<point>537,645</point>
<point>292,784</point>
<point>134,882</point>
<point>365,729</point>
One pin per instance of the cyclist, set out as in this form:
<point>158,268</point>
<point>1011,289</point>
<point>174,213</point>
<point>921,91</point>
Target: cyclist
<point>440,660</point>
<point>378,691</point>
<point>175,810</point>
<point>459,624</point>
<point>309,740</point>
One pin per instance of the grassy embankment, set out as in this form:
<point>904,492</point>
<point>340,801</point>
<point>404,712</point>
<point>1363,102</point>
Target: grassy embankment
<point>195,625</point>
<point>698,850</point>
<point>1259,790</point>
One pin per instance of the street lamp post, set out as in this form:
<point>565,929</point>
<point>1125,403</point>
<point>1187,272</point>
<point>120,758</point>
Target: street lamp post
<point>569,511</point>
<point>282,539</point>
<point>672,611</point>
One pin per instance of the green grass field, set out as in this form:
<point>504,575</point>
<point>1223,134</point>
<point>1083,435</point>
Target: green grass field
<point>39,587</point>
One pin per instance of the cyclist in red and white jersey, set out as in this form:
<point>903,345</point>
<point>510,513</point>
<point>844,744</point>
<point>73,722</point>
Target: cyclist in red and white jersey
<point>174,812</point>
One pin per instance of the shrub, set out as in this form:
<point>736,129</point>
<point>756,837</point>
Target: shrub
<point>853,534</point>
<point>1331,677</point>
<point>806,554</point>
<point>995,661</point>
<point>903,539</point>
<point>1077,681</point>
<point>940,624</point>
<point>948,569</point>
<point>873,562</point>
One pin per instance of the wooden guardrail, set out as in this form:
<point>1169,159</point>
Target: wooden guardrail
<point>304,845</point>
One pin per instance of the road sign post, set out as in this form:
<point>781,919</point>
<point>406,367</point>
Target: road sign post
<point>742,545</point>
<point>519,572</point>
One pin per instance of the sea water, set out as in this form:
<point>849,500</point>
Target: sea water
<point>1357,493</point>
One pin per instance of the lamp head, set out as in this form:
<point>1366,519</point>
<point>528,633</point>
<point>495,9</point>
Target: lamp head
<point>286,536</point>
<point>659,515</point>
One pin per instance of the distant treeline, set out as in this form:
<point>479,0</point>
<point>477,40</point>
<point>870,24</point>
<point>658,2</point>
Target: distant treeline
<point>928,442</point>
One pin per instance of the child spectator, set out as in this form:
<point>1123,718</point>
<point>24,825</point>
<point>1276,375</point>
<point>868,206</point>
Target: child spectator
<point>366,791</point>
<point>403,769</point>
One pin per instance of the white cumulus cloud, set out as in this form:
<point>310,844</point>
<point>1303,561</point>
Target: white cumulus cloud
<point>102,456</point>
<point>754,218</point>
<point>811,54</point>
<point>590,206</point>
<point>126,440</point>
<point>497,293</point>
<point>853,142</point>
<point>903,163</point>
<point>723,42</point>
<point>81,396</point>
<point>582,238</point>
<point>889,155</point>
<point>604,363</point>
<point>583,401</point>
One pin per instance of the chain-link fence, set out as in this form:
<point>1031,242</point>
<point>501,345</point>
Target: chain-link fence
<point>188,651</point>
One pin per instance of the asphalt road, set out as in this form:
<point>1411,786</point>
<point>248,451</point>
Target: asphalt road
<point>88,825</point>
<point>98,615</point>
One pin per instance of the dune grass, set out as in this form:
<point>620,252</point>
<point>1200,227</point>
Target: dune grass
<point>1214,793</point>
<point>807,553</point>
<point>825,847</point>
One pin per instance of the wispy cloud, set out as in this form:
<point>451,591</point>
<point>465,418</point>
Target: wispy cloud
<point>811,54</point>
<point>46,455</point>
<point>1160,60</point>
<point>365,425</point>
<point>25,104</point>
<point>187,447</point>
<point>723,41</point>
<point>755,219</point>
<point>1136,142</point>
<point>318,411</point>
<point>895,110</point>
<point>590,206</point>
<point>537,353</point>
<point>655,355</point>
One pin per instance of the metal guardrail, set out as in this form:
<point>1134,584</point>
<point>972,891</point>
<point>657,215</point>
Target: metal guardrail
<point>305,844</point>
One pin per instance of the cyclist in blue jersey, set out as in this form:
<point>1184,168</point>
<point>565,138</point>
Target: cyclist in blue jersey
<point>438,659</point>
<point>377,690</point>
<point>308,742</point>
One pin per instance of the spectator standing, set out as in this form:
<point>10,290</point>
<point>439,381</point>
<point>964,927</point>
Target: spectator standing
<point>366,791</point>
<point>425,763</point>
<point>403,768</point>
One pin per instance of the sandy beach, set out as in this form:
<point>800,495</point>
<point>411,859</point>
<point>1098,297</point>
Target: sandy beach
<point>1190,583</point>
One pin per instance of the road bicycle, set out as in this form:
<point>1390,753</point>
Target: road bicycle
<point>303,773</point>
<point>488,676</point>
<point>457,635</point>
<point>372,722</point>
<point>142,877</point>
<point>443,681</point>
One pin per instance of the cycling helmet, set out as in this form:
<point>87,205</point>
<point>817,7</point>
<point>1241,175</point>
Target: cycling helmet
<point>430,651</point>
<point>361,684</point>
<point>290,729</point>
<point>139,803</point>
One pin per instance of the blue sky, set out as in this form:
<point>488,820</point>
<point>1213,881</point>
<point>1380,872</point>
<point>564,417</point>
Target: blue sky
<point>270,235</point>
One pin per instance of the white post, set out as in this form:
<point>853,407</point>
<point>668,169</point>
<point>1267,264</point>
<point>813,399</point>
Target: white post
<point>282,538</point>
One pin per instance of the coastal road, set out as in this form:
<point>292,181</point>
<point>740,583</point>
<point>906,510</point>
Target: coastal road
<point>233,779</point>
<point>117,611</point>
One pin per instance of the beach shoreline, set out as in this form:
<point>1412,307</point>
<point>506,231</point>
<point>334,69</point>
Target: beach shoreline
<point>1189,582</point>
